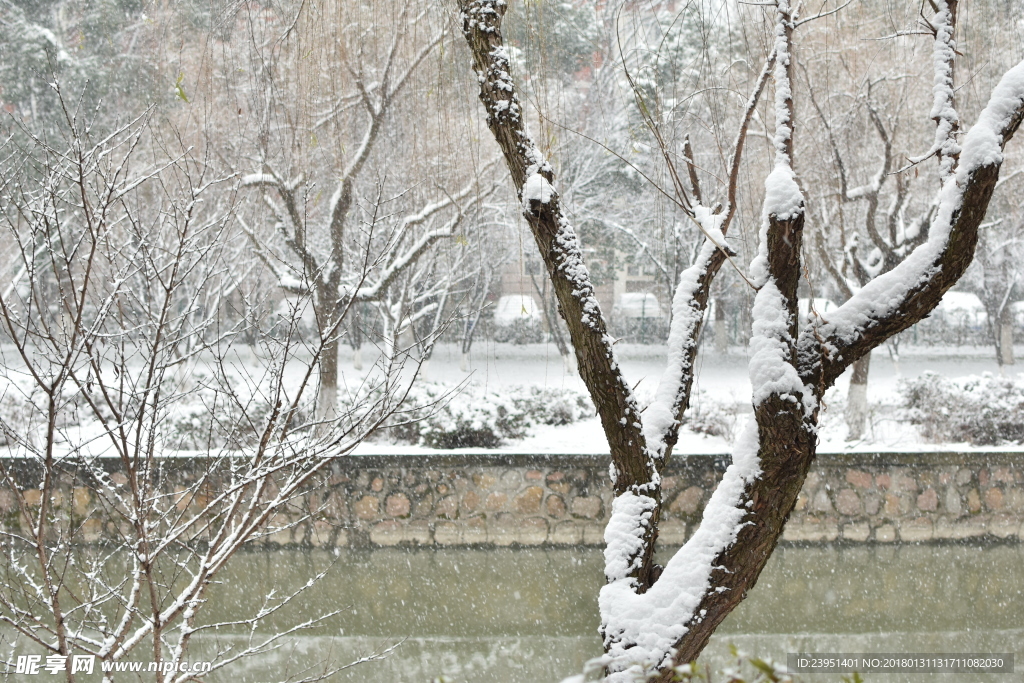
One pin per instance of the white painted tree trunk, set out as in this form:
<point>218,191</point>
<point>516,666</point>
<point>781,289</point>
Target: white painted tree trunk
<point>857,399</point>
<point>569,364</point>
<point>721,336</point>
<point>1006,342</point>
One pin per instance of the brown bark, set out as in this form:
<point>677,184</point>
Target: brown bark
<point>558,246</point>
<point>786,427</point>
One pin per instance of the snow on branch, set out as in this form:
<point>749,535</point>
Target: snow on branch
<point>896,297</point>
<point>947,121</point>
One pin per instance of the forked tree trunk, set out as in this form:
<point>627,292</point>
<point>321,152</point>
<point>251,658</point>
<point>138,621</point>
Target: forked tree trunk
<point>642,615</point>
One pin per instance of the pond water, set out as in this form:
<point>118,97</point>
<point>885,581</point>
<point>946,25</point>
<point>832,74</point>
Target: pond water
<point>510,615</point>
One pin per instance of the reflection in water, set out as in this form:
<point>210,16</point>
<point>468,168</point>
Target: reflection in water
<point>530,615</point>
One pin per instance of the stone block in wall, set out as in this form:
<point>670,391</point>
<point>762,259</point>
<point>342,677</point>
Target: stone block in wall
<point>496,501</point>
<point>81,501</point>
<point>994,498</point>
<point>448,533</point>
<point>528,502</point>
<point>688,502</point>
<point>387,533</point>
<point>593,534</point>
<point>566,533</point>
<point>484,481</point>
<point>903,480</point>
<point>532,531</point>
<point>856,531</point>
<point>586,507</point>
<point>280,531</point>
<point>1004,526</point>
<point>848,503</point>
<point>953,504</point>
<point>672,532</point>
<point>473,530</point>
<point>423,508</point>
<point>321,533</point>
<point>555,506</point>
<point>1014,499</point>
<point>367,507</point>
<point>872,503</point>
<point>820,502</point>
<point>860,479</point>
<point>973,501</point>
<point>965,527</point>
<point>811,528</point>
<point>928,501</point>
<point>447,507</point>
<point>501,529</point>
<point>917,529</point>
<point>1003,474</point>
<point>397,505</point>
<point>91,530</point>
<point>393,532</point>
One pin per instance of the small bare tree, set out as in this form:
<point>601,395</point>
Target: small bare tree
<point>339,233</point>
<point>126,328</point>
<point>655,619</point>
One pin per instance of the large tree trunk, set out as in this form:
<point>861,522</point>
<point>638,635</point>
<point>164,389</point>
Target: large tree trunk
<point>857,399</point>
<point>654,619</point>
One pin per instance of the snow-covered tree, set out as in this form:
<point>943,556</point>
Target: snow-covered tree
<point>125,327</point>
<point>349,226</point>
<point>652,618</point>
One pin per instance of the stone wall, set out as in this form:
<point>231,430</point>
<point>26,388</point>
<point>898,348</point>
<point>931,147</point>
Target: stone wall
<point>532,500</point>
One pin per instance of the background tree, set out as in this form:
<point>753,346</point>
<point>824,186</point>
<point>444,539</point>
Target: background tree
<point>125,331</point>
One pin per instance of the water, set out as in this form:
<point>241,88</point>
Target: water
<point>530,615</point>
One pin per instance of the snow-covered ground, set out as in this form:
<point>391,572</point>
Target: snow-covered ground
<point>722,380</point>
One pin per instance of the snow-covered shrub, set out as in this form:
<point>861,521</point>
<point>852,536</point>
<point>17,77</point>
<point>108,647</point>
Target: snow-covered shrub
<point>440,416</point>
<point>210,420</point>
<point>552,406</point>
<point>983,410</point>
<point>520,331</point>
<point>711,417</point>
